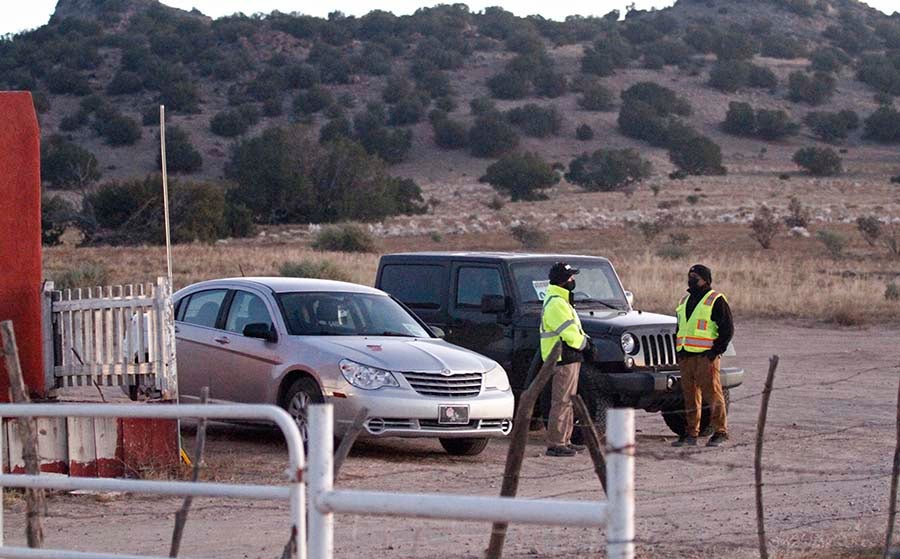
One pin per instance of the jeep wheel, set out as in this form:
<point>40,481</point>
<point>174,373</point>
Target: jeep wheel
<point>464,447</point>
<point>674,417</point>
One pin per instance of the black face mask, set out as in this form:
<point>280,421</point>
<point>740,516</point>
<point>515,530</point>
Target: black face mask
<point>693,283</point>
<point>570,285</point>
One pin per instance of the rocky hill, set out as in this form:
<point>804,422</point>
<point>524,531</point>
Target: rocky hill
<point>411,89</point>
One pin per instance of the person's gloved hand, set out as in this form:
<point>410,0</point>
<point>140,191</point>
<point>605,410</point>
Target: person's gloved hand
<point>710,354</point>
<point>588,350</point>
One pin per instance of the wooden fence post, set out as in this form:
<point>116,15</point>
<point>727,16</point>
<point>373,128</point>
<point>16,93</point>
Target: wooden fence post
<point>757,462</point>
<point>892,505</point>
<point>591,439</point>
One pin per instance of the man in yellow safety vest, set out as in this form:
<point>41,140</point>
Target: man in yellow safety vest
<point>560,322</point>
<point>705,327</point>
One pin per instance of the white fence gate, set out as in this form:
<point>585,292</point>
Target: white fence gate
<point>111,336</point>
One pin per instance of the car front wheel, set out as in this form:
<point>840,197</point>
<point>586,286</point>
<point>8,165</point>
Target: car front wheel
<point>464,447</point>
<point>297,400</point>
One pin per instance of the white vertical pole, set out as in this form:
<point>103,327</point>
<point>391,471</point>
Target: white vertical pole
<point>321,480</point>
<point>2,451</point>
<point>620,483</point>
<point>165,180</point>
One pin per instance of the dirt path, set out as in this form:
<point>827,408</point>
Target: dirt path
<point>829,446</point>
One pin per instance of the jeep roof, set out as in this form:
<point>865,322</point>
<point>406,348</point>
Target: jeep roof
<point>487,255</point>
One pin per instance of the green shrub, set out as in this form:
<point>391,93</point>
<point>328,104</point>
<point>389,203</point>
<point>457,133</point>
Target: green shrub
<point>482,105</point>
<point>508,85</point>
<point>301,76</point>
<point>740,119</point>
<point>798,214</point>
<point>536,121</point>
<point>344,237</point>
<point>662,99</point>
<point>596,98</point>
<point>85,274</point>
<point>530,236</point>
<point>449,134</point>
<point>607,53</point>
<point>834,242</point>
<point>670,51</point>
<point>870,228</point>
<point>314,269</point>
<point>819,162</point>
<point>814,90</point>
<point>180,96</point>
<point>883,125</point>
<point>782,46</point>
<point>606,170</point>
<point>549,83</point>
<point>64,81</point>
<point>640,121</point>
<point>312,100</point>
<point>584,133</point>
<point>125,82</point>
<point>892,292</point>
<point>764,227</point>
<point>118,129</point>
<point>831,127</point>
<point>735,45</point>
<point>774,125</point>
<point>408,110</point>
<point>66,165</point>
<point>390,144</point>
<point>338,128</point>
<point>729,75</point>
<point>228,124</point>
<point>57,214</point>
<point>697,155</point>
<point>522,176</point>
<point>396,88</point>
<point>761,77</point>
<point>492,136</point>
<point>827,59</point>
<point>181,155</point>
<point>446,103</point>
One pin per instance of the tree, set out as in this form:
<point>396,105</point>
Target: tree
<point>228,124</point>
<point>312,100</point>
<point>883,125</point>
<point>729,75</point>
<point>522,176</point>
<point>491,136</point>
<point>740,119</point>
<point>774,125</point>
<point>606,169</point>
<point>662,99</point>
<point>536,121</point>
<point>596,98</point>
<point>814,90</point>
<point>449,134</point>
<point>697,155</point>
<point>117,129</point>
<point>584,133</point>
<point>830,127</point>
<point>66,165</point>
<point>509,85</point>
<point>819,162</point>
<point>57,214</point>
<point>735,45</point>
<point>181,155</point>
<point>764,226</point>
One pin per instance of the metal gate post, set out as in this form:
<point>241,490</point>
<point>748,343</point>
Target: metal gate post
<point>620,481</point>
<point>321,480</point>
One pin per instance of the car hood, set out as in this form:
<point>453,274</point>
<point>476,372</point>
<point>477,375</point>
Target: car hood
<point>404,354</point>
<point>609,321</point>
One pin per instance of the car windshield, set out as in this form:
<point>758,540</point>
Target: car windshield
<point>596,284</point>
<point>347,314</point>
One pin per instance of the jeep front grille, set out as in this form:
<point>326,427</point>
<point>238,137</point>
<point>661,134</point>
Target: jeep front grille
<point>658,350</point>
<point>460,385</point>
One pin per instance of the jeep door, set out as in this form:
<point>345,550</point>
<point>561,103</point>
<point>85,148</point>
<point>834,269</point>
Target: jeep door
<point>421,287</point>
<point>488,333</point>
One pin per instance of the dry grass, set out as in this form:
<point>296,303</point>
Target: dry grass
<point>795,280</point>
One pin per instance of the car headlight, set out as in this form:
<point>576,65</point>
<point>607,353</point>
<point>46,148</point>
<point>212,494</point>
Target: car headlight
<point>629,344</point>
<point>496,379</point>
<point>366,377</point>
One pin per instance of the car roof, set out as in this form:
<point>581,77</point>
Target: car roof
<point>288,285</point>
<point>487,255</point>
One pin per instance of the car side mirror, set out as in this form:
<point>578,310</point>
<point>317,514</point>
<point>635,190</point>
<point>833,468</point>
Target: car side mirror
<point>629,296</point>
<point>262,331</point>
<point>493,304</point>
<point>438,332</point>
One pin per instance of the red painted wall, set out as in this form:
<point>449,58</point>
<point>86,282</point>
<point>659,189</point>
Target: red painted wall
<point>20,235</point>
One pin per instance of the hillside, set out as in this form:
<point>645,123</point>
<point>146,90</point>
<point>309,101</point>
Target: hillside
<point>99,63</point>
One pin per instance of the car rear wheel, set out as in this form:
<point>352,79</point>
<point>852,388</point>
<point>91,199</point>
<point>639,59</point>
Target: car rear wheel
<point>674,417</point>
<point>297,400</point>
<point>464,447</point>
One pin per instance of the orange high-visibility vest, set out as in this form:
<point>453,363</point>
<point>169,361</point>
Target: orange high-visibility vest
<point>697,332</point>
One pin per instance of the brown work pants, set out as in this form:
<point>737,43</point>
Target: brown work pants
<point>561,419</point>
<point>700,383</point>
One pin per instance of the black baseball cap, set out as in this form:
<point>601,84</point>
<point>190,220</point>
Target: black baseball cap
<point>561,271</point>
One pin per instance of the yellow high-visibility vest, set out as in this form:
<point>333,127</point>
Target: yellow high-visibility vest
<point>697,332</point>
<point>559,321</point>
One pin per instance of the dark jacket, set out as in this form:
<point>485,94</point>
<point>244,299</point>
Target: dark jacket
<point>721,315</point>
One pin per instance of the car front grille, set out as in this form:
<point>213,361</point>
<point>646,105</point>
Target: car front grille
<point>658,350</point>
<point>460,385</point>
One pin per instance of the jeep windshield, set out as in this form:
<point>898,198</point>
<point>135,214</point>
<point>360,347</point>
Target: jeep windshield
<point>347,314</point>
<point>595,286</point>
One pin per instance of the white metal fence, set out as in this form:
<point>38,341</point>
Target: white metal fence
<point>617,513</point>
<point>111,336</point>
<point>294,493</point>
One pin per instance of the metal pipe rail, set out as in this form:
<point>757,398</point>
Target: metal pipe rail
<point>295,493</point>
<point>617,513</point>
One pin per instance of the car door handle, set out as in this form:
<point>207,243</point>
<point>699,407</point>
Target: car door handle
<point>177,331</point>
<point>222,340</point>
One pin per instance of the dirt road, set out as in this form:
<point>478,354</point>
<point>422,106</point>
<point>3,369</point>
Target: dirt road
<point>829,447</point>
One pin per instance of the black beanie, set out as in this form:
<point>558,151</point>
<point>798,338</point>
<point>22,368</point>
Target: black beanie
<point>703,272</point>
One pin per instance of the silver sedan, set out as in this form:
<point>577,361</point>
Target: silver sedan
<point>292,342</point>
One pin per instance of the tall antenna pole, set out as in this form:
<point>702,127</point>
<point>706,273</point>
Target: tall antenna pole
<point>165,179</point>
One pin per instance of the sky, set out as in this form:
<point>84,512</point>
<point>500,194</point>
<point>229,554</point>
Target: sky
<point>20,16</point>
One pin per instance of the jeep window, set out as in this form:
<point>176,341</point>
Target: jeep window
<point>597,282</point>
<point>474,283</point>
<point>347,314</point>
<point>418,286</point>
<point>203,307</point>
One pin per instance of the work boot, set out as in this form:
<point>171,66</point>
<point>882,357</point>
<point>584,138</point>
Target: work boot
<point>685,440</point>
<point>577,447</point>
<point>718,439</point>
<point>560,450</point>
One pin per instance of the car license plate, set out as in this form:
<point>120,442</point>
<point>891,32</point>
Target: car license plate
<point>453,415</point>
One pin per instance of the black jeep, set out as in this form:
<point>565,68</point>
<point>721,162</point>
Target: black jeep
<point>491,303</point>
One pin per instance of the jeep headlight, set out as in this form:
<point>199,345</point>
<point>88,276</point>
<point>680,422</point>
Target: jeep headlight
<point>366,377</point>
<point>629,344</point>
<point>496,379</point>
